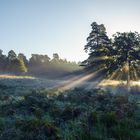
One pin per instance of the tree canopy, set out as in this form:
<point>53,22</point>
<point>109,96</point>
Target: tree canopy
<point>127,53</point>
<point>98,47</point>
<point>37,64</point>
<point>119,55</point>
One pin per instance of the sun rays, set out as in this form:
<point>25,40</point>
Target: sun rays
<point>79,80</point>
<point>120,75</point>
<point>102,58</point>
<point>91,80</point>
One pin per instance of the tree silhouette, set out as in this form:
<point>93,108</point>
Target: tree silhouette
<point>120,54</point>
<point>21,66</point>
<point>11,55</point>
<point>127,54</point>
<point>3,61</point>
<point>15,64</point>
<point>21,56</point>
<point>98,47</point>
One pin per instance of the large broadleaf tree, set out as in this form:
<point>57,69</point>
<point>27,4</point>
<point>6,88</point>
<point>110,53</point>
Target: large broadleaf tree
<point>127,54</point>
<point>121,54</point>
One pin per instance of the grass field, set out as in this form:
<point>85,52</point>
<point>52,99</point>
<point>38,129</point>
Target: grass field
<point>26,83</point>
<point>67,109</point>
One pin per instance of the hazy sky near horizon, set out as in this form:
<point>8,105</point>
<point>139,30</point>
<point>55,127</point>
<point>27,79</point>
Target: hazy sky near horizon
<point>61,26</point>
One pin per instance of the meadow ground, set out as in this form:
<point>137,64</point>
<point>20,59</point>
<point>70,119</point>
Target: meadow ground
<point>19,84</point>
<point>70,108</point>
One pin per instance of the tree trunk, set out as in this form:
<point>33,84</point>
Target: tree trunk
<point>128,77</point>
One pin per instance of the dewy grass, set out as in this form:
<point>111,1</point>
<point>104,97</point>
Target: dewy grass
<point>74,115</point>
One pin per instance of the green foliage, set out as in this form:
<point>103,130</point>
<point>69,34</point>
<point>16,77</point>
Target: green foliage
<point>40,129</point>
<point>118,56</point>
<point>11,55</point>
<point>74,114</point>
<point>22,67</point>
<point>99,48</point>
<point>2,61</point>
<point>17,66</point>
<point>38,65</point>
<point>127,53</point>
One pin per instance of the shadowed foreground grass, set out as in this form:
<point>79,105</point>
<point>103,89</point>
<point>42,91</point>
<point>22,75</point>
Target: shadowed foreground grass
<point>73,115</point>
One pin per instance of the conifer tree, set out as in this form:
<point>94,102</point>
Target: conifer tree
<point>98,47</point>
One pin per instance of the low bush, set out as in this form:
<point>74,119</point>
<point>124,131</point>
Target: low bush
<point>72,115</point>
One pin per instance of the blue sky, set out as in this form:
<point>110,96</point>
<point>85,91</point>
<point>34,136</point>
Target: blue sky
<point>62,26</point>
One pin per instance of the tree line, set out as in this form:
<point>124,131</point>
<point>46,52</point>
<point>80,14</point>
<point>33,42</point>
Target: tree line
<point>36,65</point>
<point>118,57</point>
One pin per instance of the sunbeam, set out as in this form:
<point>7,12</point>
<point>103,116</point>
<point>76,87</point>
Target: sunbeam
<point>102,58</point>
<point>136,75</point>
<point>78,81</point>
<point>113,74</point>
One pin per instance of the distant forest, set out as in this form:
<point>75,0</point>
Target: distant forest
<point>40,65</point>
